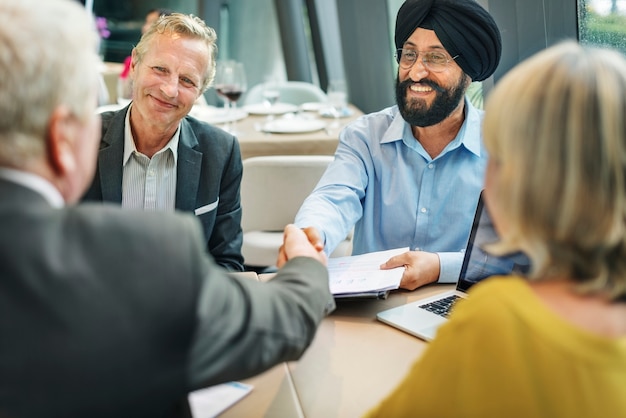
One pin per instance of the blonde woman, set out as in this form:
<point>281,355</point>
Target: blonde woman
<point>552,345</point>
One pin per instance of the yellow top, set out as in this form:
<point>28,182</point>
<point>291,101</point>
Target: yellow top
<point>503,353</point>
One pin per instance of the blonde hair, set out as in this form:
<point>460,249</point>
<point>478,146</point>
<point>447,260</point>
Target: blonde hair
<point>188,26</point>
<point>48,59</point>
<point>556,127</point>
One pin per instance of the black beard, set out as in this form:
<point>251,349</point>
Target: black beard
<point>417,113</point>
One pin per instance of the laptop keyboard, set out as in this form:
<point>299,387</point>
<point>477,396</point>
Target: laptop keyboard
<point>441,307</point>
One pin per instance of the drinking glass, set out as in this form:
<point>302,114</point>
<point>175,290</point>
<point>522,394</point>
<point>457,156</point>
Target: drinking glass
<point>271,95</point>
<point>338,99</point>
<point>271,92</point>
<point>230,84</point>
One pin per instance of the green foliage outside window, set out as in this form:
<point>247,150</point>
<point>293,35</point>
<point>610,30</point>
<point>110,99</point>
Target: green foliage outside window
<point>605,30</point>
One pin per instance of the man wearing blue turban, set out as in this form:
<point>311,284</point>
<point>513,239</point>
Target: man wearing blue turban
<point>410,175</point>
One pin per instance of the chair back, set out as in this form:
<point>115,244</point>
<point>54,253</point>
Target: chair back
<point>294,92</point>
<point>272,190</point>
<point>274,187</point>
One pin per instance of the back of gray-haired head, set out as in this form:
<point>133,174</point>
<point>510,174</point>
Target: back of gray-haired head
<point>48,58</point>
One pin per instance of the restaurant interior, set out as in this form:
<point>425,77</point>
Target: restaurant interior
<point>343,51</point>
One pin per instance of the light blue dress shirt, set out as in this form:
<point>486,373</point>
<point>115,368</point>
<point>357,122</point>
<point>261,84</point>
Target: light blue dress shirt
<point>385,185</point>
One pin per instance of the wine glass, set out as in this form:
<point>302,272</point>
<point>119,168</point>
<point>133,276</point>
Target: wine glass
<point>230,84</point>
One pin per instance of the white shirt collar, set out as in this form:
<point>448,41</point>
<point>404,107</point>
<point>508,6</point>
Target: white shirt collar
<point>35,183</point>
<point>129,141</point>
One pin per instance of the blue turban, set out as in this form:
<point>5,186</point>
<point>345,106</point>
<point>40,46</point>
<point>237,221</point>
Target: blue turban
<point>463,27</point>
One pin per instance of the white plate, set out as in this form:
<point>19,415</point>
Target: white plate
<point>314,106</point>
<point>217,115</point>
<point>329,112</point>
<point>294,125</point>
<point>264,109</point>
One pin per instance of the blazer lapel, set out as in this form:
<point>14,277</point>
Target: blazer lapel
<point>110,158</point>
<point>188,169</point>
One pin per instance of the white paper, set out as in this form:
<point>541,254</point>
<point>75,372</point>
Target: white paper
<point>212,401</point>
<point>362,273</point>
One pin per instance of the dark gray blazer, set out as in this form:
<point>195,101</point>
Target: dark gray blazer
<point>208,176</point>
<point>107,312</point>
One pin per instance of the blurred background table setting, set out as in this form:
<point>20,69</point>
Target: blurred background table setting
<point>274,117</point>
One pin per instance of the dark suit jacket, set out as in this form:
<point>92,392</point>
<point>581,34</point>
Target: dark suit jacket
<point>107,312</point>
<point>208,177</point>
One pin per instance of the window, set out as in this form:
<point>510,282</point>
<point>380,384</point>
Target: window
<point>124,21</point>
<point>602,22</point>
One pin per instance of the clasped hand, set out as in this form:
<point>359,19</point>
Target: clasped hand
<point>421,268</point>
<point>297,243</point>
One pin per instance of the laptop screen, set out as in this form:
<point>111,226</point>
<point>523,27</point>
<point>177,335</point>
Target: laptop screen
<point>477,263</point>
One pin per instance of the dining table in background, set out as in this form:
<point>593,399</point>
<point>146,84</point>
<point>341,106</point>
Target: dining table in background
<point>253,139</point>
<point>307,129</point>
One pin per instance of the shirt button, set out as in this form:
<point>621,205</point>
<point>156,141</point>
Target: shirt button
<point>151,173</point>
<point>431,166</point>
<point>423,210</point>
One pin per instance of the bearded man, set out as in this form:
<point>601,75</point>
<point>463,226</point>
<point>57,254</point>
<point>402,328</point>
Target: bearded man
<point>410,175</point>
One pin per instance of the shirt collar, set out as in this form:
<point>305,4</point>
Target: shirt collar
<point>470,134</point>
<point>35,183</point>
<point>129,142</point>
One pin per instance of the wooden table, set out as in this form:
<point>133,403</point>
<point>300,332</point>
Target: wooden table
<point>254,142</point>
<point>352,364</point>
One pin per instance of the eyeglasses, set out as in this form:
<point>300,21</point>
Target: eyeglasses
<point>434,61</point>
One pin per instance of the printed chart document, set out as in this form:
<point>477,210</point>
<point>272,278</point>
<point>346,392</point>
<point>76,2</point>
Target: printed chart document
<point>212,401</point>
<point>360,275</point>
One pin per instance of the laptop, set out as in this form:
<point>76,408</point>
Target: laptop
<point>422,318</point>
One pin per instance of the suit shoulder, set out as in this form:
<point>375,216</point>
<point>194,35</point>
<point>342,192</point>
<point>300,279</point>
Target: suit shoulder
<point>108,117</point>
<point>205,131</point>
<point>208,139</point>
<point>111,220</point>
<point>113,126</point>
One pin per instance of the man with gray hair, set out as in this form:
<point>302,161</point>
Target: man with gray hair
<point>154,156</point>
<point>106,312</point>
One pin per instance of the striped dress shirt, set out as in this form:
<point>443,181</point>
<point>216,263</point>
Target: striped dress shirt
<point>149,183</point>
